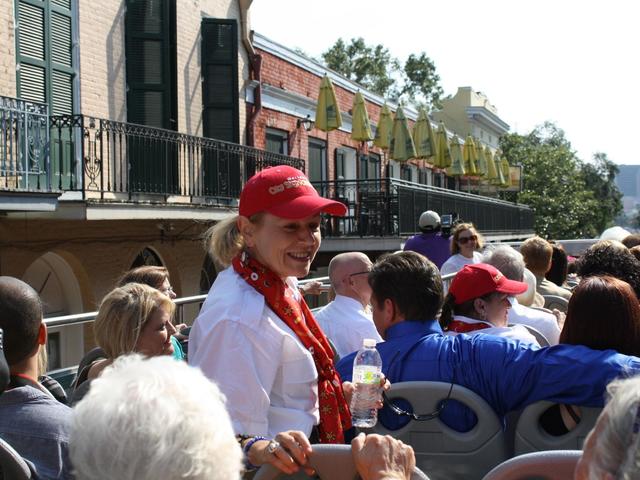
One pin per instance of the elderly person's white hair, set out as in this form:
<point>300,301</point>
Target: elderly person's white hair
<point>506,259</point>
<point>155,419</point>
<point>611,448</point>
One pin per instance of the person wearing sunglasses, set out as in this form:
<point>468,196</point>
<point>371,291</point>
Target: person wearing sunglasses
<point>347,320</point>
<point>466,244</point>
<point>508,374</point>
<point>479,300</point>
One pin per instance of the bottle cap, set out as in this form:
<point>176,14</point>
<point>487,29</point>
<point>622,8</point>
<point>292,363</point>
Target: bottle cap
<point>369,342</point>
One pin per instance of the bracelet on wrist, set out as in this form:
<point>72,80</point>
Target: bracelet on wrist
<point>247,446</point>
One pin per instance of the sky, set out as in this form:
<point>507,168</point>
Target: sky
<point>575,63</point>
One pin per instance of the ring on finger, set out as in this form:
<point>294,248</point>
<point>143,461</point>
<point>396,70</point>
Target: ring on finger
<point>273,446</point>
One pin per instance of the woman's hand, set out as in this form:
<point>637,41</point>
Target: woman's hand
<point>349,388</point>
<point>288,451</point>
<point>380,457</point>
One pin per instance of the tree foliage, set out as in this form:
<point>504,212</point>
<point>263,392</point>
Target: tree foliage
<point>571,199</point>
<point>373,67</point>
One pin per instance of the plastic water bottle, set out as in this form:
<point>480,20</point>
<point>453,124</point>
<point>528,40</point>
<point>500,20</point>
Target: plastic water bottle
<point>367,372</point>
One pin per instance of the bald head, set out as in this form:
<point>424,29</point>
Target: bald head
<point>348,273</point>
<point>20,318</point>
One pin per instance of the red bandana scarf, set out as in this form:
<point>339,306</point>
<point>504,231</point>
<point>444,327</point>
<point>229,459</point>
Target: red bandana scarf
<point>464,327</point>
<point>334,412</point>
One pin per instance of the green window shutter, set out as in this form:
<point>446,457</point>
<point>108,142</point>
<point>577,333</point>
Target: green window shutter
<point>220,79</point>
<point>46,71</point>
<point>151,63</point>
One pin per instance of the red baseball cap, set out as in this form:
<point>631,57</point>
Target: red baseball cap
<point>285,192</point>
<point>479,279</point>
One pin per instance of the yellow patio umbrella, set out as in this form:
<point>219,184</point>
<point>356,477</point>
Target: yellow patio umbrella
<point>384,129</point>
<point>443,154</point>
<point>360,128</point>
<point>402,147</point>
<point>328,111</point>
<point>483,167</point>
<point>470,156</point>
<point>501,182</point>
<point>423,137</point>
<point>457,164</point>
<point>492,172</point>
<point>506,171</point>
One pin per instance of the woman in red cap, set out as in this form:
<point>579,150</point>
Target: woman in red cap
<point>478,301</point>
<point>255,336</point>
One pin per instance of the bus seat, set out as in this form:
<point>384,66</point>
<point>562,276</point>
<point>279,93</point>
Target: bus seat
<point>12,465</point>
<point>540,338</point>
<point>554,301</point>
<point>331,462</point>
<point>531,437</point>
<point>441,451</point>
<point>548,465</point>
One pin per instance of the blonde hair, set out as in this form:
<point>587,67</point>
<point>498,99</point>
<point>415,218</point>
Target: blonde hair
<point>537,254</point>
<point>461,227</point>
<point>122,315</point>
<point>224,241</point>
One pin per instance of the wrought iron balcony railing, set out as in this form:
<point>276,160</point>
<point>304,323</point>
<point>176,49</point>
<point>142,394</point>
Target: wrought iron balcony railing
<point>113,160</point>
<point>391,207</point>
<point>24,143</point>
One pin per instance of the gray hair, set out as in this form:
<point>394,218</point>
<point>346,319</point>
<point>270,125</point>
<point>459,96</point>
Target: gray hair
<point>153,419</point>
<point>506,259</point>
<point>615,437</point>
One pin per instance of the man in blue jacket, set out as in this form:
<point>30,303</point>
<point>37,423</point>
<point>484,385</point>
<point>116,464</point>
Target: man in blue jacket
<point>407,296</point>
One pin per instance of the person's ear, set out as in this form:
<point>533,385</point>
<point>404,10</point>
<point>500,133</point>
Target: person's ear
<point>42,334</point>
<point>479,306</point>
<point>247,230</point>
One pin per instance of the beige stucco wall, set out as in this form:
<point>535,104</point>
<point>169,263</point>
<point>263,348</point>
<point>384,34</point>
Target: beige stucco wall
<point>103,62</point>
<point>7,49</point>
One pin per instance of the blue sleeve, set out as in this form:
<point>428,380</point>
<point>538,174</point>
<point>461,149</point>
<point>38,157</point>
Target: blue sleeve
<point>345,367</point>
<point>513,375</point>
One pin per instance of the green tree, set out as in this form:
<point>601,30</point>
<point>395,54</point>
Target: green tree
<point>554,184</point>
<point>373,67</point>
<point>599,177</point>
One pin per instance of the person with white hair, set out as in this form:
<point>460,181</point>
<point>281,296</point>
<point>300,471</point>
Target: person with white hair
<point>611,448</point>
<point>154,419</point>
<point>158,419</point>
<point>511,264</point>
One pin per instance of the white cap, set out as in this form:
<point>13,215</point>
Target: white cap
<point>369,342</point>
<point>429,219</point>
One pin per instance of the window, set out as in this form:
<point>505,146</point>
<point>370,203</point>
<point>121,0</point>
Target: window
<point>220,110</point>
<point>406,173</point>
<point>44,39</point>
<point>317,160</point>
<point>277,141</point>
<point>150,48</point>
<point>54,351</point>
<point>423,176</point>
<point>147,257</point>
<point>370,166</point>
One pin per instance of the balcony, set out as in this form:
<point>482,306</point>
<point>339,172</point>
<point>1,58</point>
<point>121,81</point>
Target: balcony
<point>103,161</point>
<point>391,207</point>
<point>25,174</point>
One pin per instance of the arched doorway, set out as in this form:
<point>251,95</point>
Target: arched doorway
<point>55,281</point>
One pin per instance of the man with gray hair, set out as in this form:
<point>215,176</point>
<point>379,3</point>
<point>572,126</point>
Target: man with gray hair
<point>346,321</point>
<point>511,265</point>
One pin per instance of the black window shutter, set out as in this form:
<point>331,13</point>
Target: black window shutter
<point>220,79</point>
<point>151,63</point>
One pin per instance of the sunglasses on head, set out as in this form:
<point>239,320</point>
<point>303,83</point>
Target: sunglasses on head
<point>464,240</point>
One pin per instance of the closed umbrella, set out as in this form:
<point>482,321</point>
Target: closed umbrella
<point>457,163</point>
<point>470,156</point>
<point>328,111</point>
<point>384,129</point>
<point>402,147</point>
<point>443,154</point>
<point>492,172</point>
<point>361,128</point>
<point>483,167</point>
<point>506,171</point>
<point>423,137</point>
